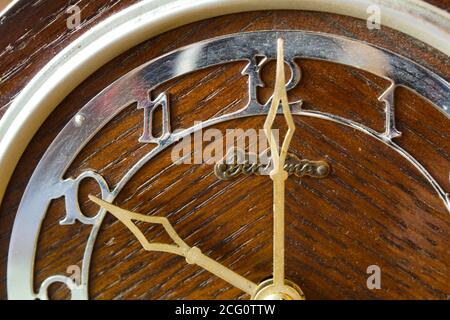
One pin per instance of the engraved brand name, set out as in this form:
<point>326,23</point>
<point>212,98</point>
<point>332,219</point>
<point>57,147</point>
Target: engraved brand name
<point>248,164</point>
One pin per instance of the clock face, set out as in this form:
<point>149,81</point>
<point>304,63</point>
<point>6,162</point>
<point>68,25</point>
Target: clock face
<point>234,168</point>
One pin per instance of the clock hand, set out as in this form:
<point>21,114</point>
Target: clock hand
<point>193,255</point>
<point>278,174</point>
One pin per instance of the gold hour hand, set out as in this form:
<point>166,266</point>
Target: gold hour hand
<point>278,174</point>
<point>193,255</point>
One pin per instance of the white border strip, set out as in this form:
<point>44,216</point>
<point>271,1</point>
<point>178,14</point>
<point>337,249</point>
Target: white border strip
<point>149,18</point>
<point>8,4</point>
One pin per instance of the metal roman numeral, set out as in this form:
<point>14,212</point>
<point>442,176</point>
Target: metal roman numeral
<point>149,109</point>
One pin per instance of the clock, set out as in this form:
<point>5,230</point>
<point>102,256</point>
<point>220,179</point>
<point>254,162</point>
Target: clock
<point>248,153</point>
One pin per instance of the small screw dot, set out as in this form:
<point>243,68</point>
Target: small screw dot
<point>79,119</point>
<point>322,170</point>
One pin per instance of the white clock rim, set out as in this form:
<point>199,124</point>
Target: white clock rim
<point>149,18</point>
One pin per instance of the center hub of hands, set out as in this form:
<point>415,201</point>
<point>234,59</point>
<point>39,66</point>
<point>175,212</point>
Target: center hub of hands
<point>268,291</point>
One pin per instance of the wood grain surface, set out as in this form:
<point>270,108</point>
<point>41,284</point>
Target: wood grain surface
<point>374,209</point>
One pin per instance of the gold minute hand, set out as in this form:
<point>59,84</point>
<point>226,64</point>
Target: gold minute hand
<point>193,255</point>
<point>278,174</point>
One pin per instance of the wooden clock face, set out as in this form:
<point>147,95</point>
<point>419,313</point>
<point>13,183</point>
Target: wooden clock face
<point>365,198</point>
